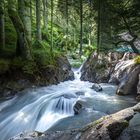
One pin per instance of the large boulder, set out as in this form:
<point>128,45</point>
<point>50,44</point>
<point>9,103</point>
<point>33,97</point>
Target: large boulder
<point>126,75</point>
<point>95,70</point>
<point>121,70</point>
<point>64,66</point>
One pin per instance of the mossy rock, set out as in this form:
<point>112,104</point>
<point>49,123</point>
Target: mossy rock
<point>137,60</point>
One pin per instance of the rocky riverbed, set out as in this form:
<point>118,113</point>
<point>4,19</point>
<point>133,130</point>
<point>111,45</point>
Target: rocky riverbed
<point>119,126</point>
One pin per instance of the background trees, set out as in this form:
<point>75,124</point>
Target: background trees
<point>68,25</point>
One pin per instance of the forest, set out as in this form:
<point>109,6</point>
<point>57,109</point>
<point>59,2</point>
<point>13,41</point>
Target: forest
<point>69,69</point>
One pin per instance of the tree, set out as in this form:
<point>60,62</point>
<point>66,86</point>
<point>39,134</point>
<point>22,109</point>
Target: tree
<point>81,27</point>
<point>38,20</point>
<point>99,27</point>
<point>52,4</point>
<point>126,17</point>
<point>2,25</point>
<point>45,16</point>
<point>23,46</point>
<point>25,15</point>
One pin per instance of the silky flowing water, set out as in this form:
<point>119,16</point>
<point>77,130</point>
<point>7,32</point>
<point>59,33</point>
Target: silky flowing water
<point>51,108</point>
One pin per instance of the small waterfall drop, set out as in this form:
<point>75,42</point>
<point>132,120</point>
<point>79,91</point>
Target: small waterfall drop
<point>77,73</point>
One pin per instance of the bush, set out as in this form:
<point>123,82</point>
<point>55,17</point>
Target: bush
<point>29,67</point>
<point>43,55</point>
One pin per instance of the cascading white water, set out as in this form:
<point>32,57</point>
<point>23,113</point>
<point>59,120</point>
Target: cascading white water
<point>38,115</point>
<point>42,108</point>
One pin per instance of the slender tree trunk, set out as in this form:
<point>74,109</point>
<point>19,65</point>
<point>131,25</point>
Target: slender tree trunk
<point>51,26</point>
<point>2,25</point>
<point>38,20</point>
<point>45,16</point>
<point>90,23</point>
<point>31,12</point>
<point>67,23</point>
<point>81,27</point>
<point>25,15</point>
<point>23,45</point>
<point>99,27</point>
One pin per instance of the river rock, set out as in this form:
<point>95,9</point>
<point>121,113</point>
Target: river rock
<point>138,86</point>
<point>78,93</point>
<point>77,107</point>
<point>69,96</point>
<point>122,69</point>
<point>128,79</point>
<point>95,70</point>
<point>96,87</point>
<point>132,132</point>
<point>138,98</point>
<point>28,136</point>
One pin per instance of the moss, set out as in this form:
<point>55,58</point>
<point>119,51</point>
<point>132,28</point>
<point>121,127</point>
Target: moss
<point>92,124</point>
<point>125,123</point>
<point>137,60</point>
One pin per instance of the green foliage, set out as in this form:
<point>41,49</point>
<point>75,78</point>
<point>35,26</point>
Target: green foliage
<point>76,64</point>
<point>10,35</point>
<point>137,60</point>
<point>87,49</point>
<point>43,55</point>
<point>29,67</point>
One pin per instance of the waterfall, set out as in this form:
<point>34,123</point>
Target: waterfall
<point>41,114</point>
<point>77,73</point>
<point>58,108</point>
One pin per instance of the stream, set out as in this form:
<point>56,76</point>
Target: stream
<point>51,108</point>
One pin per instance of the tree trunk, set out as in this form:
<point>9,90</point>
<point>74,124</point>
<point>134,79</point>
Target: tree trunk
<point>90,23</point>
<point>51,26</point>
<point>25,16</point>
<point>67,23</point>
<point>31,13</point>
<point>38,20</point>
<point>99,27</point>
<point>2,25</point>
<point>23,45</point>
<point>81,27</point>
<point>45,17</point>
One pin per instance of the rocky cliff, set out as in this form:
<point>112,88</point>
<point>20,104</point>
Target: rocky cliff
<point>15,80</point>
